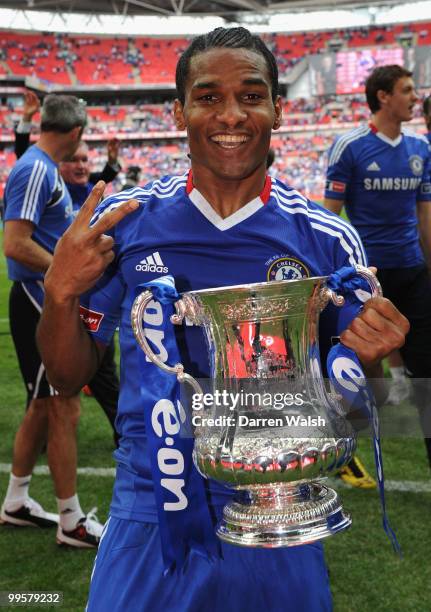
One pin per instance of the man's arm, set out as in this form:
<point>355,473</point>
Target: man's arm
<point>333,205</point>
<point>107,175</point>
<point>338,175</point>
<point>112,167</point>
<point>70,356</point>
<point>22,132</point>
<point>19,245</point>
<point>22,140</point>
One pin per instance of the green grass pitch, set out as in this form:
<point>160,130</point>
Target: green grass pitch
<point>365,573</point>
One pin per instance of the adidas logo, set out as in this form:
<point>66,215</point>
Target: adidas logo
<point>152,263</point>
<point>374,166</point>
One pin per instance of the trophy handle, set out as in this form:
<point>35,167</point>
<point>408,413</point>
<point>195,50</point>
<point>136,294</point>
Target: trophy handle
<point>327,294</point>
<point>137,317</point>
<point>371,278</point>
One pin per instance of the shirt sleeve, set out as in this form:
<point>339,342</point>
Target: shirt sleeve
<point>424,190</point>
<point>335,319</point>
<point>22,138</point>
<point>28,191</point>
<point>100,307</point>
<point>351,251</point>
<point>339,173</point>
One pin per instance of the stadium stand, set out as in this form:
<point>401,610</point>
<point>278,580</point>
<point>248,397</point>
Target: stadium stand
<point>132,119</point>
<point>147,131</point>
<point>90,60</point>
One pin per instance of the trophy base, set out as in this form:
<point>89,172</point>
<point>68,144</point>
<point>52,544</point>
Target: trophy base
<point>275,516</point>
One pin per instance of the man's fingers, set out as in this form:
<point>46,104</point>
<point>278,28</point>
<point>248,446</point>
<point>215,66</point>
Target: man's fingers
<point>376,331</point>
<point>386,308</point>
<point>87,209</point>
<point>106,243</point>
<point>112,217</point>
<point>107,219</point>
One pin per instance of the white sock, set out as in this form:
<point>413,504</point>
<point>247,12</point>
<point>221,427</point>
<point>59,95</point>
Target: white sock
<point>17,492</point>
<point>397,373</point>
<point>70,512</point>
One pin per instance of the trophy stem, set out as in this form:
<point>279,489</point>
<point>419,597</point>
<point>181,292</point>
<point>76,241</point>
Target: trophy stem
<point>282,515</point>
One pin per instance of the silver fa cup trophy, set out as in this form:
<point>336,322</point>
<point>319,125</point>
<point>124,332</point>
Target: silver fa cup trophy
<point>274,430</point>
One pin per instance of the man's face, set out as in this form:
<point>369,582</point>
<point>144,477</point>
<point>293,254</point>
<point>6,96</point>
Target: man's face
<point>76,170</point>
<point>228,112</point>
<point>401,102</point>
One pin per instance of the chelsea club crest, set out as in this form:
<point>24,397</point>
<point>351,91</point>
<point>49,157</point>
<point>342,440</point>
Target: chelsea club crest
<point>287,268</point>
<point>416,164</point>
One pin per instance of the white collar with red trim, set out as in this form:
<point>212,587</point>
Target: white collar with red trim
<point>241,214</point>
<point>393,142</point>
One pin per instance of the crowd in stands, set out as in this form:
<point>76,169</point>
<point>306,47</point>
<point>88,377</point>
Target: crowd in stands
<point>299,160</point>
<point>290,49</point>
<point>75,59</point>
<point>107,118</point>
<point>147,118</point>
<point>89,60</point>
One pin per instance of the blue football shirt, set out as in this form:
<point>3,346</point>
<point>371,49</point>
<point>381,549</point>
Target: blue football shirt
<point>36,192</point>
<point>175,231</point>
<point>381,180</point>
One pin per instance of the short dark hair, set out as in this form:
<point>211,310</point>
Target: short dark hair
<point>427,106</point>
<point>62,113</point>
<point>231,38</point>
<point>383,78</point>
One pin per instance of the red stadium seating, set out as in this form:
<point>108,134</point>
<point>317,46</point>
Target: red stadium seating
<point>92,60</point>
<point>308,126</point>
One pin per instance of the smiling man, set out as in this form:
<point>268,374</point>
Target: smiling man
<point>382,173</point>
<point>78,177</point>
<point>226,222</point>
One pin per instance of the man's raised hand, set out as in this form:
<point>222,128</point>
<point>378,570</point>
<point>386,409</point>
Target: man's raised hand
<point>113,149</point>
<point>31,105</point>
<point>83,252</point>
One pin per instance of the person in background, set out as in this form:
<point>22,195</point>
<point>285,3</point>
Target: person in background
<point>133,176</point>
<point>22,140</point>
<point>75,171</point>
<point>400,386</point>
<point>104,386</point>
<point>381,172</point>
<point>225,223</point>
<point>38,210</point>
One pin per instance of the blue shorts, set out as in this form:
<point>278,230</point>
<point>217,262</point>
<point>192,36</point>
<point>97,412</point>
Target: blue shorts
<point>128,577</point>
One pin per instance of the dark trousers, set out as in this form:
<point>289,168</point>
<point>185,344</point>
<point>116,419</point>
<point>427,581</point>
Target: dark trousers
<point>105,386</point>
<point>410,290</point>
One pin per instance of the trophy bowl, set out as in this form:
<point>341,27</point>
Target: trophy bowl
<point>263,345</point>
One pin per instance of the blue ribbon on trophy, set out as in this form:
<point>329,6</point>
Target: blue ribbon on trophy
<point>347,376</point>
<point>183,513</point>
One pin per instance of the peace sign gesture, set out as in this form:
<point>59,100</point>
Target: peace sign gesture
<point>83,252</point>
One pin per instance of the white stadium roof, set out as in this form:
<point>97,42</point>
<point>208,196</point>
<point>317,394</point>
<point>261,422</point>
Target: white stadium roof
<point>221,8</point>
<point>191,17</point>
